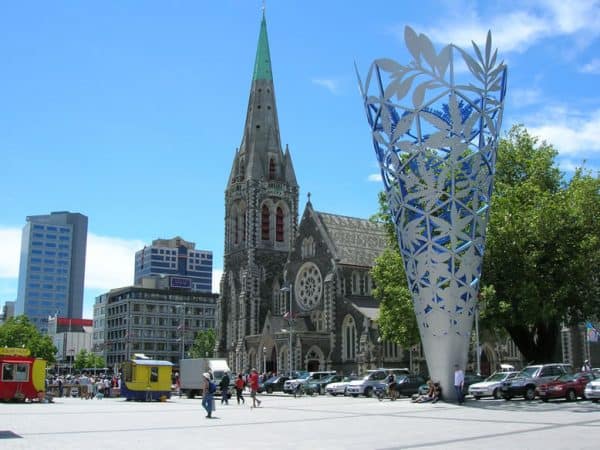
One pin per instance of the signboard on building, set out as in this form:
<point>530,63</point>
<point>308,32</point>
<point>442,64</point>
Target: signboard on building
<point>14,351</point>
<point>180,283</point>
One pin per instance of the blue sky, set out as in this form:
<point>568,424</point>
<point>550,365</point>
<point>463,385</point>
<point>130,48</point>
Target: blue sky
<point>130,111</point>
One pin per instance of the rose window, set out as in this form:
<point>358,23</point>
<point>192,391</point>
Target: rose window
<point>309,285</point>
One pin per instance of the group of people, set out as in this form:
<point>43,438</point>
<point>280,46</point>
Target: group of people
<point>88,386</point>
<point>209,389</point>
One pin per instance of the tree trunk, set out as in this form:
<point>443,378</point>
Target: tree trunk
<point>538,343</point>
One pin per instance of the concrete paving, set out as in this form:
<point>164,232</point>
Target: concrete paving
<point>303,423</point>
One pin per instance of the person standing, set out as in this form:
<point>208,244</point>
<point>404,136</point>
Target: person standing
<point>239,389</point>
<point>224,385</point>
<point>207,395</point>
<point>586,366</point>
<point>254,388</point>
<point>459,382</point>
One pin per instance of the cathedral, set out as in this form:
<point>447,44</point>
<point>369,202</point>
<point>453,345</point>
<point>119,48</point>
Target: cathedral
<point>293,296</point>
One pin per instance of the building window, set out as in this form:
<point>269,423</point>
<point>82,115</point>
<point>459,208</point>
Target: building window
<point>355,283</point>
<point>235,229</point>
<point>271,169</point>
<point>265,225</point>
<point>308,247</point>
<point>348,338</point>
<point>279,225</point>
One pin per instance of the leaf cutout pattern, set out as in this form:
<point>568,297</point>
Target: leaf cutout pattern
<point>436,141</point>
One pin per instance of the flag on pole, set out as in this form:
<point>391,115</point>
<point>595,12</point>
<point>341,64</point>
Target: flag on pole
<point>592,333</point>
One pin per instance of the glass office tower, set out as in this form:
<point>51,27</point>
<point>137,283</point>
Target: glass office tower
<point>52,268</point>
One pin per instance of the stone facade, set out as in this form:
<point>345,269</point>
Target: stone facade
<point>321,267</point>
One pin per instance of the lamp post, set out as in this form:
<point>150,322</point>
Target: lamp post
<point>182,326</point>
<point>264,360</point>
<point>477,349</point>
<point>290,290</point>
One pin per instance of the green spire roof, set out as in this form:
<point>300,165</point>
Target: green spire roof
<point>262,65</point>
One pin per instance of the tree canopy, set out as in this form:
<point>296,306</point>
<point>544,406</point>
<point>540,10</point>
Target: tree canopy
<point>204,344</point>
<point>543,246</point>
<point>542,256</point>
<point>20,332</point>
<point>89,360</point>
<point>397,322</point>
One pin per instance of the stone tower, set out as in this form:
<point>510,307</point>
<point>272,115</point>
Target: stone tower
<point>261,211</point>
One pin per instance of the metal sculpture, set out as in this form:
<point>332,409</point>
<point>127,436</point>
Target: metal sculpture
<point>437,153</point>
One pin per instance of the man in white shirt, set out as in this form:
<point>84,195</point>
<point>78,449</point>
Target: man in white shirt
<point>459,381</point>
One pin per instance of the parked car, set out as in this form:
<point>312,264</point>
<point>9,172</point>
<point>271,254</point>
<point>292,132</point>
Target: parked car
<point>409,384</point>
<point>566,386</point>
<point>491,386</point>
<point>471,378</point>
<point>318,386</point>
<point>373,377</point>
<point>527,380</point>
<point>339,388</point>
<point>592,390</point>
<point>290,386</point>
<point>273,384</point>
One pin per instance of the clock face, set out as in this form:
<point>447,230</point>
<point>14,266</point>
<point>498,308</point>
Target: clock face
<point>308,286</point>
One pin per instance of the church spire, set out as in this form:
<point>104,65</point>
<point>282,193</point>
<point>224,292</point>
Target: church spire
<point>262,64</point>
<point>261,155</point>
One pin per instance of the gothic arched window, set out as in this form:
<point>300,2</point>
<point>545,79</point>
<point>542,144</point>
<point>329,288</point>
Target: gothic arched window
<point>348,338</point>
<point>271,169</point>
<point>236,229</point>
<point>279,225</point>
<point>243,226</point>
<point>265,223</point>
<point>355,283</point>
<point>241,168</point>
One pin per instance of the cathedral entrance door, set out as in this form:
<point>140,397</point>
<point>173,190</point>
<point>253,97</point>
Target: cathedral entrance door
<point>312,365</point>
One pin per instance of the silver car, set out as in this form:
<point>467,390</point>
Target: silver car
<point>592,391</point>
<point>339,388</point>
<point>491,386</point>
<point>373,378</point>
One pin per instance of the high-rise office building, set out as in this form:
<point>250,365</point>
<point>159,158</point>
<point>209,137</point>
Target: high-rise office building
<point>52,267</point>
<point>179,257</point>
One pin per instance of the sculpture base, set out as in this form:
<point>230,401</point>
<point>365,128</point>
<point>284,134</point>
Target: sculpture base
<point>442,354</point>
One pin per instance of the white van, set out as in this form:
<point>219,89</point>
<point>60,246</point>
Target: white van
<point>191,374</point>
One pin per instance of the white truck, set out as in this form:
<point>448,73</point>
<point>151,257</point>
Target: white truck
<point>191,374</point>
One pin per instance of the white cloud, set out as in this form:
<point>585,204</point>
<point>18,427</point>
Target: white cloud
<point>592,67</point>
<point>570,165</point>
<point>525,96</point>
<point>329,83</point>
<point>10,243</point>
<point>519,29</point>
<point>375,177</point>
<point>110,261</point>
<point>570,132</point>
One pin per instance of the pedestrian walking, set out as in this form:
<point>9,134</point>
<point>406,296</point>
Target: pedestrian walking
<point>208,390</point>
<point>224,385</point>
<point>239,389</point>
<point>459,381</point>
<point>254,388</point>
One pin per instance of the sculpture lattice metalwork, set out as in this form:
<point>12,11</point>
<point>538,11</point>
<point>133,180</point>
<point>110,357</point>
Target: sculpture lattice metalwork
<point>435,125</point>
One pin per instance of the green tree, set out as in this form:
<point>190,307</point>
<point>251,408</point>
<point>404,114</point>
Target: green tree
<point>89,360</point>
<point>397,322</point>
<point>20,332</point>
<point>543,246</point>
<point>204,344</point>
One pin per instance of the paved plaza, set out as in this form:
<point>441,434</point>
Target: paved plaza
<point>307,422</point>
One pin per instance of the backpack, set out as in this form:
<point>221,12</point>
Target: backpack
<point>212,387</point>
